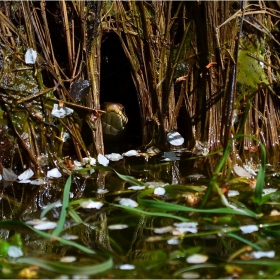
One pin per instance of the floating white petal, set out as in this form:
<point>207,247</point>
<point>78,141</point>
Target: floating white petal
<point>102,160</point>
<point>269,190</point>
<point>14,252</point>
<point>232,193</point>
<point>127,266</point>
<point>241,172</point>
<point>249,228</point>
<point>197,258</point>
<point>91,204</point>
<point>136,188</point>
<point>30,56</point>
<point>38,181</point>
<point>116,227</point>
<point>102,191</point>
<point>163,229</point>
<point>131,153</point>
<point>26,174</point>
<point>173,241</point>
<point>249,169</point>
<point>9,174</point>
<point>41,224</point>
<point>114,157</point>
<point>89,160</point>
<point>70,237</point>
<point>175,138</point>
<point>159,191</point>
<point>190,275</point>
<point>262,254</point>
<point>54,173</point>
<point>128,202</point>
<point>24,181</point>
<point>61,112</point>
<point>68,259</point>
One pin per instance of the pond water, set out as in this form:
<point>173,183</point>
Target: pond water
<point>161,233</point>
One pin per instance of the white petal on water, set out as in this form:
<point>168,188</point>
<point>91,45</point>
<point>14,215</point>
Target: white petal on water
<point>131,153</point>
<point>274,213</point>
<point>9,174</point>
<point>186,224</point>
<point>190,275</point>
<point>196,176</point>
<point>41,224</point>
<point>54,173</point>
<point>136,188</point>
<point>70,237</point>
<point>30,56</point>
<point>26,174</point>
<point>114,157</point>
<point>159,191</point>
<point>102,191</point>
<point>249,169</point>
<point>14,252</point>
<point>152,185</point>
<point>65,136</point>
<point>175,138</point>
<point>173,241</point>
<point>102,160</point>
<point>77,163</point>
<point>61,112</point>
<point>127,266</point>
<point>91,204</point>
<point>38,181</point>
<point>128,202</point>
<point>24,181</point>
<point>117,226</point>
<point>197,258</point>
<point>249,228</point>
<point>163,229</point>
<point>263,254</point>
<point>89,160</point>
<point>269,190</point>
<point>241,172</point>
<point>232,193</point>
<point>68,259</point>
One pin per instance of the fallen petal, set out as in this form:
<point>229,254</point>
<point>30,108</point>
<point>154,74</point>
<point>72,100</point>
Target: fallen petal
<point>102,160</point>
<point>197,258</point>
<point>128,202</point>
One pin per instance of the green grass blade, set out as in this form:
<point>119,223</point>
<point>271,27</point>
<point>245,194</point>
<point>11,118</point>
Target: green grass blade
<point>47,235</point>
<point>48,208</point>
<point>58,267</point>
<point>193,267</point>
<point>148,213</point>
<point>253,245</point>
<point>166,206</point>
<point>65,203</point>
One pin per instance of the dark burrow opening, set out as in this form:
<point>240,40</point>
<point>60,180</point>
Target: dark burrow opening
<point>116,85</point>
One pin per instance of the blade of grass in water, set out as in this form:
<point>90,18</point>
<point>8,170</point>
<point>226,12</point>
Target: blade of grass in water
<point>165,206</point>
<point>222,162</point>
<point>65,203</point>
<point>253,245</point>
<point>47,235</point>
<point>48,208</point>
<point>64,268</point>
<point>193,267</point>
<point>147,213</point>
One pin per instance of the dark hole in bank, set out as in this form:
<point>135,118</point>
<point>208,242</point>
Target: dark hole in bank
<point>116,85</point>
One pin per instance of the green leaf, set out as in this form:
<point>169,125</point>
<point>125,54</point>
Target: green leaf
<point>63,268</point>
